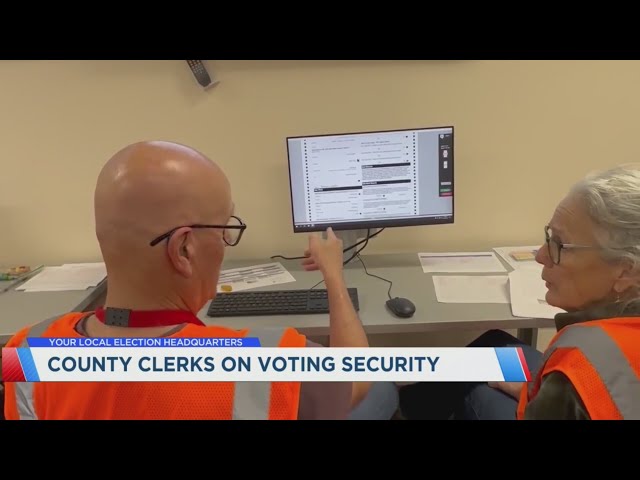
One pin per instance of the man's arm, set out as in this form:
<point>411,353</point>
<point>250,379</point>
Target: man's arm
<point>324,400</point>
<point>345,328</point>
<point>557,399</point>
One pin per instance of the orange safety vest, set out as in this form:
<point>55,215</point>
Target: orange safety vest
<point>154,400</point>
<point>601,359</point>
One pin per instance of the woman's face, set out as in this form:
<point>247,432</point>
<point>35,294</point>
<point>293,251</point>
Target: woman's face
<point>582,278</point>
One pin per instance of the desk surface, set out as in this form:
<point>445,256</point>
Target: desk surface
<point>409,281</point>
<point>19,309</point>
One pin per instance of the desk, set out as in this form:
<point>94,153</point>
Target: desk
<point>19,309</point>
<point>409,281</point>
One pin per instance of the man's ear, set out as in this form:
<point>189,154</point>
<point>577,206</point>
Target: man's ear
<point>180,250</point>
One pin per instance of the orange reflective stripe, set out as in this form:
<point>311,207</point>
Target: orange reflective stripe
<point>586,382</point>
<point>285,396</point>
<point>155,400</point>
<point>523,399</point>
<point>251,399</point>
<point>292,338</point>
<point>609,363</point>
<point>601,359</point>
<point>23,391</point>
<point>267,400</point>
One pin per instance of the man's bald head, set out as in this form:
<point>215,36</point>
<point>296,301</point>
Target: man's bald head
<point>148,189</point>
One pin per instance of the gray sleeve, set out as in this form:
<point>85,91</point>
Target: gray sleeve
<point>324,400</point>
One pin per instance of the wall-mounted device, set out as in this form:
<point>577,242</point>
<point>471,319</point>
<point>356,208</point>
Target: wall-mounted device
<point>201,74</point>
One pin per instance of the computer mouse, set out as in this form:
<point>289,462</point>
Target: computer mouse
<point>401,307</point>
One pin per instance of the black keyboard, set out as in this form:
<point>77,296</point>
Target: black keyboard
<point>274,302</point>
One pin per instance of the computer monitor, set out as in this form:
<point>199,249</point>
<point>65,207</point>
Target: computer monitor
<point>371,180</point>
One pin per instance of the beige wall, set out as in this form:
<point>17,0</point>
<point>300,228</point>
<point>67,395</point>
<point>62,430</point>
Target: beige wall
<point>525,130</point>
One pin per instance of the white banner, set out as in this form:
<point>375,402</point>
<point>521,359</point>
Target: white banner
<point>188,364</point>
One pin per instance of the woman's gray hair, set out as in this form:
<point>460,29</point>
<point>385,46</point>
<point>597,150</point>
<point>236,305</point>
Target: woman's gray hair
<point>612,199</point>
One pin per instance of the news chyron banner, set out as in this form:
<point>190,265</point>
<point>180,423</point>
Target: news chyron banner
<point>244,360</point>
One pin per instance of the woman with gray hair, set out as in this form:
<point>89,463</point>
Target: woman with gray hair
<point>591,369</point>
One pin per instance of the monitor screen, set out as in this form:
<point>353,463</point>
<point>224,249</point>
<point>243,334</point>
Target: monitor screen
<point>364,180</point>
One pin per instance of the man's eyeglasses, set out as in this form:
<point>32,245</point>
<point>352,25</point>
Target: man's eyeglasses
<point>232,232</point>
<point>555,247</point>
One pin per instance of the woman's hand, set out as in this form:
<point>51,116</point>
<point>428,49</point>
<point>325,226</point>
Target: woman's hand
<point>510,388</point>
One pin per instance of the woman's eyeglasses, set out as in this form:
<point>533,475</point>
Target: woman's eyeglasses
<point>555,247</point>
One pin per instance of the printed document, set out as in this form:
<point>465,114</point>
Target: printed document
<point>71,276</point>
<point>245,278</point>
<point>471,289</point>
<point>528,291</point>
<point>518,257</point>
<point>458,262</point>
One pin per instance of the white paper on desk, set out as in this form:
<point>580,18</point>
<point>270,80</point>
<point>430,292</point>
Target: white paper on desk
<point>505,253</point>
<point>528,291</point>
<point>255,276</point>
<point>460,262</point>
<point>471,289</point>
<point>71,276</point>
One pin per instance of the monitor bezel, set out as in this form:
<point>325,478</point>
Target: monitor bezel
<point>374,224</point>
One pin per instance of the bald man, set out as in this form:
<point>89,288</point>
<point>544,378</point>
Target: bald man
<point>164,216</point>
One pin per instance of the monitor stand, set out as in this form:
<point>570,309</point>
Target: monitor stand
<point>349,237</point>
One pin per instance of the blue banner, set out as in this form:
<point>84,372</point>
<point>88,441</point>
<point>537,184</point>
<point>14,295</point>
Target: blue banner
<point>166,342</point>
<point>511,364</point>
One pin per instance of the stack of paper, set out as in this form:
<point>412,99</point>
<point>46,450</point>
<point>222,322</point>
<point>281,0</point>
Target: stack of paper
<point>245,278</point>
<point>523,287</point>
<point>72,276</point>
<point>527,291</point>
<point>518,257</point>
<point>455,262</point>
<point>468,289</point>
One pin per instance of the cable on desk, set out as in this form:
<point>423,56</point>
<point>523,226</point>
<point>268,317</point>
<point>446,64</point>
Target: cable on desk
<point>376,276</point>
<point>357,252</point>
<point>316,284</point>
<point>286,258</point>
<point>348,260</point>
